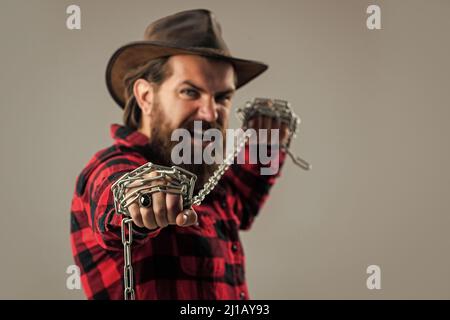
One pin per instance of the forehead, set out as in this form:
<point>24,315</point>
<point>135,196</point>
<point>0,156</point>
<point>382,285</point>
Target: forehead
<point>213,74</point>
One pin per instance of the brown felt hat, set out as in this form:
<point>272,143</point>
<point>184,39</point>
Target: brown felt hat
<point>187,32</point>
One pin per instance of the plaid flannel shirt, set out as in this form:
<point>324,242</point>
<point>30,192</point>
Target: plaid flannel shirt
<point>197,262</point>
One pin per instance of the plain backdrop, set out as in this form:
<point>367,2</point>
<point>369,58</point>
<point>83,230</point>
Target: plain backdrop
<point>374,106</point>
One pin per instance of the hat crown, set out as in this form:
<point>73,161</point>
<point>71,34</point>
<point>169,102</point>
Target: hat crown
<point>193,29</point>
<point>194,32</point>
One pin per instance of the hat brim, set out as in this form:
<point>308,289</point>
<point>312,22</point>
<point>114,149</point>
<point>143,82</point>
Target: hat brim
<point>134,54</point>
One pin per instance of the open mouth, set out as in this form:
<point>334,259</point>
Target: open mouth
<point>200,142</point>
<point>197,137</point>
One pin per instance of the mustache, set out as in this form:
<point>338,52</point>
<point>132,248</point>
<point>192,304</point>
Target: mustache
<point>205,125</point>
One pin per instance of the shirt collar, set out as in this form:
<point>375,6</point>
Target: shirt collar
<point>128,137</point>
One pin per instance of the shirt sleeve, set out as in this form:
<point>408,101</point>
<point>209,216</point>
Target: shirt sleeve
<point>99,203</point>
<point>250,187</point>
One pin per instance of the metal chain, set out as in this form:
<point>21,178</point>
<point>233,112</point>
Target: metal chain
<point>127,241</point>
<point>281,110</point>
<point>183,181</point>
<point>122,202</point>
<point>214,179</point>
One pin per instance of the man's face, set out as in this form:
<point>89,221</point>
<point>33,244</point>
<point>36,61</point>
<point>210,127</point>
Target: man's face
<point>197,89</point>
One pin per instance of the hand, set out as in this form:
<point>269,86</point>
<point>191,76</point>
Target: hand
<point>265,122</point>
<point>164,210</point>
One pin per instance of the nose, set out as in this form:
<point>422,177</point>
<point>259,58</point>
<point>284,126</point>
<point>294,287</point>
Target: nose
<point>208,110</point>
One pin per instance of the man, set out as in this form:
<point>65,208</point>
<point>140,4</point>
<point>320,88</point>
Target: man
<point>182,72</point>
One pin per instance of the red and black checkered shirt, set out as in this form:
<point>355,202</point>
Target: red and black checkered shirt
<point>197,262</point>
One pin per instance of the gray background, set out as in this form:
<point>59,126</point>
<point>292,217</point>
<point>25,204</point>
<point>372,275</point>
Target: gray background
<point>375,111</point>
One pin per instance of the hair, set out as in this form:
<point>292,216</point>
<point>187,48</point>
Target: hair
<point>155,71</point>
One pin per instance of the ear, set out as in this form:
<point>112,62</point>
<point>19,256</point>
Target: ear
<point>144,94</point>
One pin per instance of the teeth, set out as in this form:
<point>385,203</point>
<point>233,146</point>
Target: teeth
<point>198,132</point>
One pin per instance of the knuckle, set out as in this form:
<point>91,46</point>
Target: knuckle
<point>145,212</point>
<point>148,221</point>
<point>135,216</point>
<point>149,225</point>
<point>160,212</point>
<point>172,207</point>
<point>133,211</point>
<point>157,210</point>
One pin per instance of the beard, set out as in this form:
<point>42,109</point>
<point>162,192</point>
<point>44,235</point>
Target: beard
<point>161,146</point>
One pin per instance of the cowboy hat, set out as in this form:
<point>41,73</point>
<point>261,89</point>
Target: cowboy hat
<point>187,32</point>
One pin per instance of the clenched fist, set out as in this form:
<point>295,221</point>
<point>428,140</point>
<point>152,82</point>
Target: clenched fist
<point>160,208</point>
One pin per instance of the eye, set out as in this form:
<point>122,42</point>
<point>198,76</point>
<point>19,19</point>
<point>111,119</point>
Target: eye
<point>191,93</point>
<point>223,99</point>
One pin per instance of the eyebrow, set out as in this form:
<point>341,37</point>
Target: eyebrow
<point>188,82</point>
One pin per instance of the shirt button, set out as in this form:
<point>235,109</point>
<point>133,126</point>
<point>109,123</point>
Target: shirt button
<point>234,247</point>
<point>242,295</point>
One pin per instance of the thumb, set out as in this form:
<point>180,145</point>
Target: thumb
<point>186,218</point>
